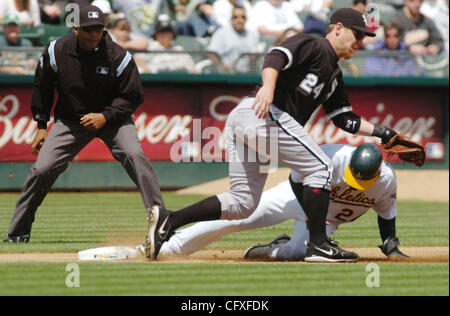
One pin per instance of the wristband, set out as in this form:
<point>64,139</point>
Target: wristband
<point>384,133</point>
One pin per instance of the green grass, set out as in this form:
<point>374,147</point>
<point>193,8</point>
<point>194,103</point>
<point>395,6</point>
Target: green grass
<point>69,222</point>
<point>274,279</point>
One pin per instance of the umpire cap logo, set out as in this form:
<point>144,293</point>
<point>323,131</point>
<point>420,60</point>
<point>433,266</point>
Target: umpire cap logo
<point>93,15</point>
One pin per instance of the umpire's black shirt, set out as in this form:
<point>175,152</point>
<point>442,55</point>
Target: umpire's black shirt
<point>105,80</point>
<point>310,78</point>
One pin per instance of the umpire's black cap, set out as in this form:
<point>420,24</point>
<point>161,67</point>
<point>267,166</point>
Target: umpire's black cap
<point>91,15</point>
<point>352,19</point>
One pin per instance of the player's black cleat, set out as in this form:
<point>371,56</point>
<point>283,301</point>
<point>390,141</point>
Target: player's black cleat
<point>159,231</point>
<point>263,252</point>
<point>17,239</point>
<point>329,251</point>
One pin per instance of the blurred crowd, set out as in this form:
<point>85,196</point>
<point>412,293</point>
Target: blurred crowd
<point>231,35</point>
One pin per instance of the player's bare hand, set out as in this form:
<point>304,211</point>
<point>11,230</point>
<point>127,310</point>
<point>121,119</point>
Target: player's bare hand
<point>38,141</point>
<point>263,100</point>
<point>93,121</point>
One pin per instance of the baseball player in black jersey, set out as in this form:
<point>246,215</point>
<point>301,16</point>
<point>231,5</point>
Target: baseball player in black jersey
<point>99,88</point>
<point>298,76</point>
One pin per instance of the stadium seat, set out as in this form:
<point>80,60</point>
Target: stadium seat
<point>190,42</point>
<point>193,44</point>
<point>30,33</point>
<point>49,32</point>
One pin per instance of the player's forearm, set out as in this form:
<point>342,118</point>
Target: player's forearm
<point>274,62</point>
<point>366,128</point>
<point>269,77</point>
<point>382,132</point>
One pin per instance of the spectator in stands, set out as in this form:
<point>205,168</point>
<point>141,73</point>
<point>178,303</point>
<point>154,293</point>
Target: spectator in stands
<point>421,34</point>
<point>81,3</point>
<point>27,11</point>
<point>105,6</point>
<point>223,10</point>
<point>10,38</point>
<point>359,5</point>
<point>285,35</point>
<point>201,23</point>
<point>11,28</point>
<point>271,17</point>
<point>181,10</point>
<point>164,62</point>
<point>437,11</point>
<point>229,42</point>
<point>141,14</point>
<point>316,12</point>
<point>121,33</point>
<point>52,10</point>
<point>317,8</point>
<point>391,65</point>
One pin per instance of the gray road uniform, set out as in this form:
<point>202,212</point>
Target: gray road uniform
<point>309,76</point>
<point>106,81</point>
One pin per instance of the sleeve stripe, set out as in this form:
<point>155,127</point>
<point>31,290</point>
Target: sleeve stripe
<point>287,53</point>
<point>340,111</point>
<point>51,52</point>
<point>124,64</point>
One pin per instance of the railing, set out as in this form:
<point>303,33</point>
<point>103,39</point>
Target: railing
<point>394,64</point>
<point>364,63</point>
<point>19,60</point>
<point>368,63</point>
<point>190,61</point>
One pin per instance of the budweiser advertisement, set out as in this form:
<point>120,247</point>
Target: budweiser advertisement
<point>179,122</point>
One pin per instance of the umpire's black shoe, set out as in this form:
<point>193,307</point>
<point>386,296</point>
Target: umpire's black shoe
<point>159,231</point>
<point>17,239</point>
<point>329,252</point>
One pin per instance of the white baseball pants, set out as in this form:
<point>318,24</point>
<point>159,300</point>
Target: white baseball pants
<point>254,144</point>
<point>277,205</point>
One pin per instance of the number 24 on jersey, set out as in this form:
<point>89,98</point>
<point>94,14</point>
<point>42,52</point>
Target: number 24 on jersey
<point>310,85</point>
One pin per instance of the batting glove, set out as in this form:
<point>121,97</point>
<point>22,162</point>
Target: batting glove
<point>390,248</point>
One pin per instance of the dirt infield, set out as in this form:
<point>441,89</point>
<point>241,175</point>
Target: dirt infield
<point>417,255</point>
<point>424,185</point>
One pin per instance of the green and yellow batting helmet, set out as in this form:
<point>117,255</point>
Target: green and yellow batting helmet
<point>364,167</point>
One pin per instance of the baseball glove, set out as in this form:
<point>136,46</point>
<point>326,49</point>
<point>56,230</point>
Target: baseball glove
<point>407,150</point>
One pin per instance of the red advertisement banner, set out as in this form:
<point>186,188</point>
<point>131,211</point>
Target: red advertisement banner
<point>180,122</point>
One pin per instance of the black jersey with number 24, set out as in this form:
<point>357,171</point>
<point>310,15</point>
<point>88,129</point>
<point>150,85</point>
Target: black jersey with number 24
<point>311,77</point>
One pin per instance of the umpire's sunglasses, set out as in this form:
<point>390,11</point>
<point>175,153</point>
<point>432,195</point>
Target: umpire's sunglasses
<point>93,28</point>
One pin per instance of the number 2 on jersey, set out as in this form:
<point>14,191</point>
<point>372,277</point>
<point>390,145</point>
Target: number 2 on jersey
<point>345,213</point>
<point>309,85</point>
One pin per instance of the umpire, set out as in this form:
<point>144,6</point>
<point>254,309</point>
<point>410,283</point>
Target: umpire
<point>99,88</point>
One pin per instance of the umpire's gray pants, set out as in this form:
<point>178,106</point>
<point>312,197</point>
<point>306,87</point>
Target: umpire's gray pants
<point>252,142</point>
<point>65,140</point>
